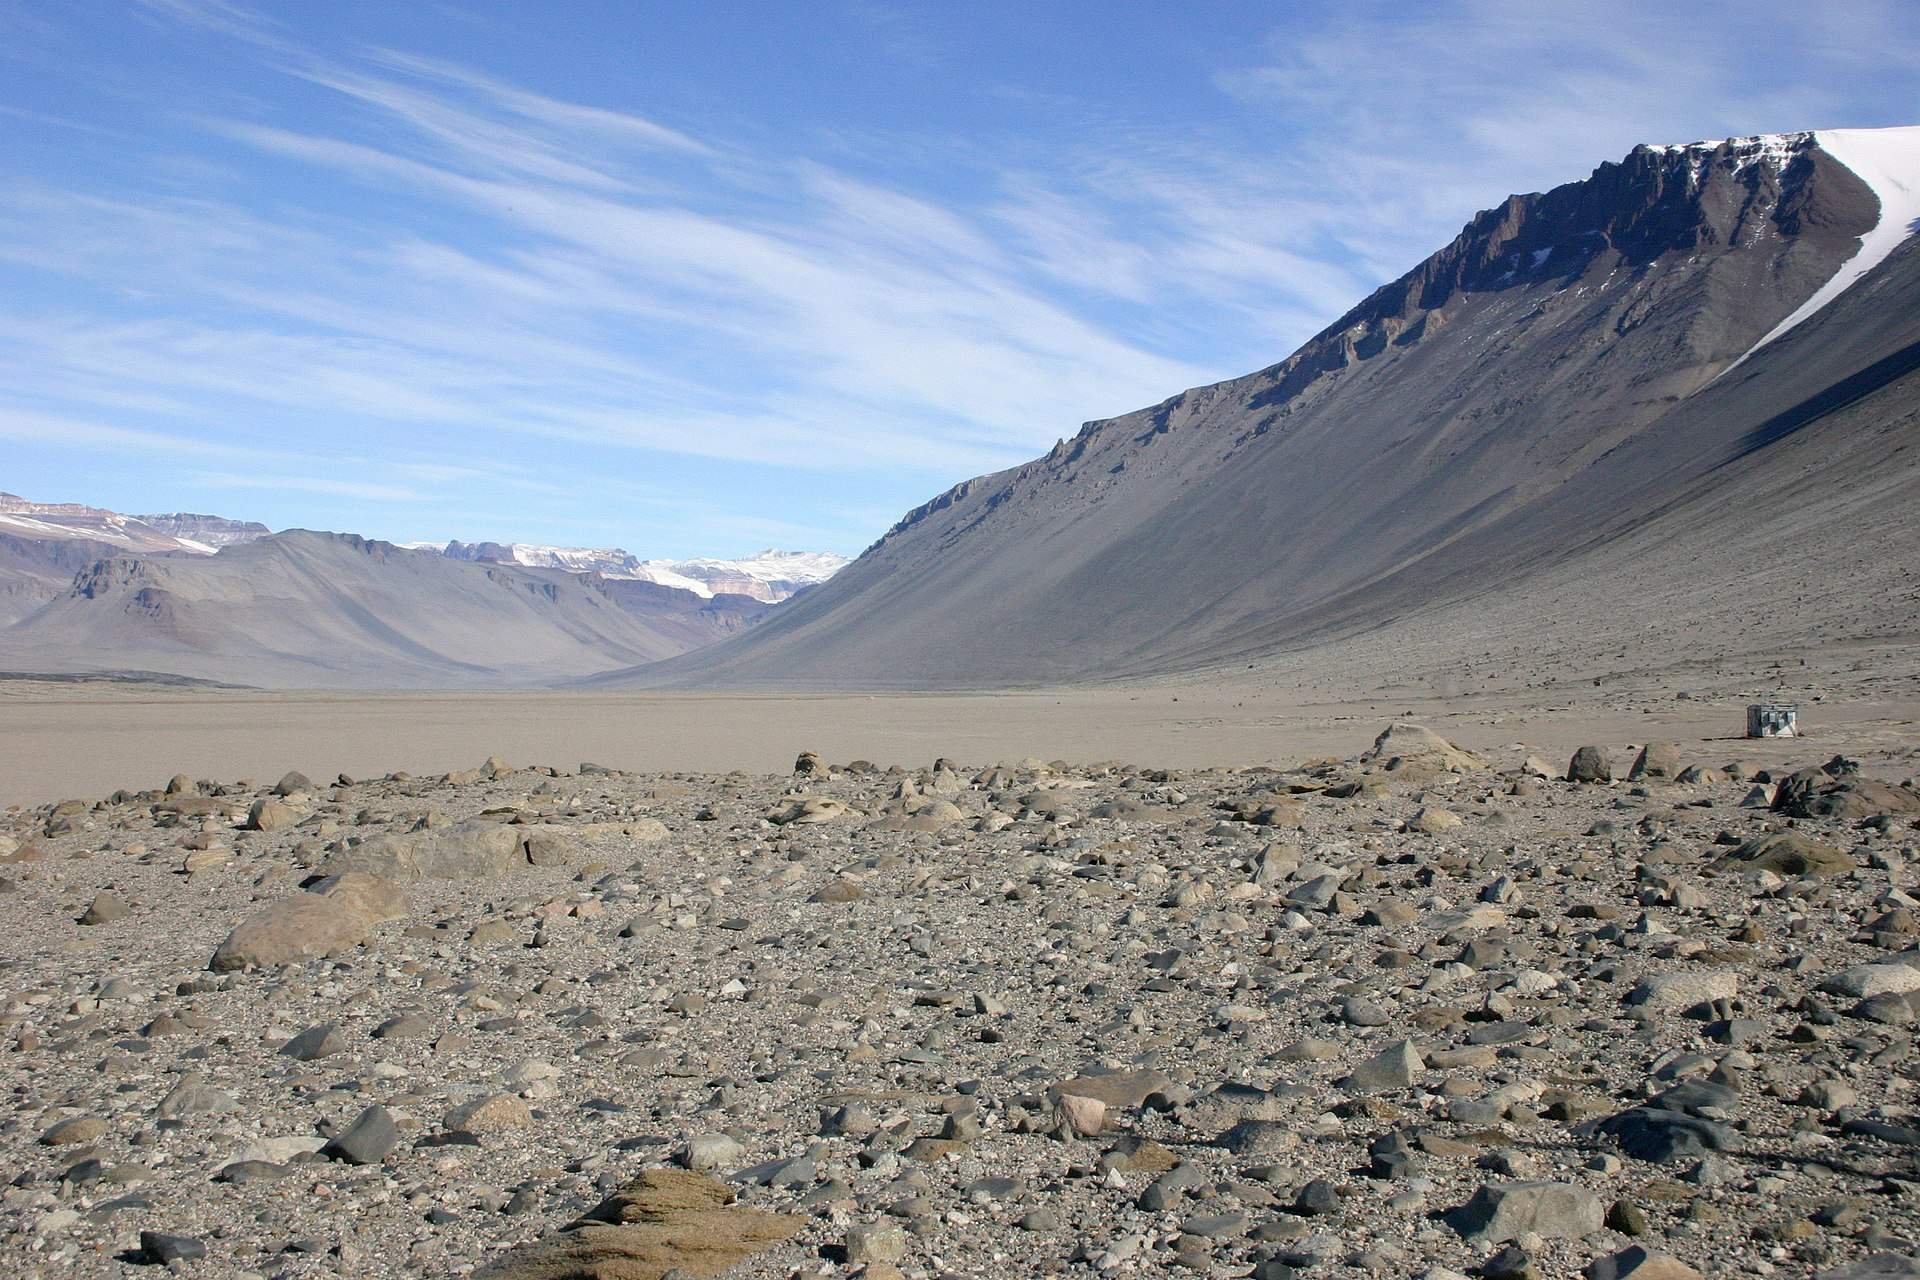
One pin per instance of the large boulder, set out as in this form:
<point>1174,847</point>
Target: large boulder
<point>268,814</point>
<point>305,926</point>
<point>336,917</point>
<point>1787,853</point>
<point>1656,760</point>
<point>463,851</point>
<point>1814,793</point>
<point>375,897</point>
<point>1403,746</point>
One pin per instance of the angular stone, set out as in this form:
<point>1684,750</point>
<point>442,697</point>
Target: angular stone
<point>1552,1210</point>
<point>1680,990</point>
<point>1432,820</point>
<point>1640,1263</point>
<point>1866,980</point>
<point>105,909</point>
<point>1120,1090</point>
<point>1590,764</point>
<point>1395,1067</point>
<point>1086,1116</point>
<point>316,1042</point>
<point>1418,749</point>
<point>711,1151</point>
<point>194,1096</point>
<point>1879,1266</point>
<point>837,890</point>
<point>1665,1137</point>
<point>161,1249</point>
<point>1788,853</point>
<point>368,1141</point>
<point>876,1242</point>
<point>271,815</point>
<point>1656,760</point>
<point>74,1131</point>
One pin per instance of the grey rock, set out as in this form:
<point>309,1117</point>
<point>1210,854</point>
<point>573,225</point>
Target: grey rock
<point>1552,1210</point>
<point>367,1141</point>
<point>316,1042</point>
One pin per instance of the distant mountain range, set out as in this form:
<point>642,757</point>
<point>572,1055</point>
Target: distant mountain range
<point>770,577</point>
<point>85,589</point>
<point>165,534</point>
<point>1669,407</point>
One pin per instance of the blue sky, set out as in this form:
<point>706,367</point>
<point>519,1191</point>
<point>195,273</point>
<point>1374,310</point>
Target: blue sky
<point>700,278</point>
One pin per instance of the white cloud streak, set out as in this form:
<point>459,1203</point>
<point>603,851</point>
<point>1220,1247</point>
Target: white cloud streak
<point>533,283</point>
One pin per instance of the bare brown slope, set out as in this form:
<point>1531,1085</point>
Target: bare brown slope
<point>316,610</point>
<point>34,571</point>
<point>1514,401</point>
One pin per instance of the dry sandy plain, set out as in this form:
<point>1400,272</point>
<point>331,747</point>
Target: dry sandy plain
<point>59,741</point>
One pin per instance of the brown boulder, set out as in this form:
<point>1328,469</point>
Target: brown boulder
<point>1656,760</point>
<point>1847,799</point>
<point>665,1220</point>
<point>1788,853</point>
<point>1118,1090</point>
<point>305,926</point>
<point>374,897</point>
<point>463,851</point>
<point>1414,747</point>
<point>271,815</point>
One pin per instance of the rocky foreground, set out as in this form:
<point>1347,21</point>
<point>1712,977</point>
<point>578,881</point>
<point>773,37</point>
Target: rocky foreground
<point>1416,1013</point>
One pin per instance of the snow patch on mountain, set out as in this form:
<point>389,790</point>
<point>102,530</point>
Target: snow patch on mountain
<point>208,532</point>
<point>769,576</point>
<point>1888,161</point>
<point>45,521</point>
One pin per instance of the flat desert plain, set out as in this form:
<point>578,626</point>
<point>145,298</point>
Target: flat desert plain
<point>60,741</point>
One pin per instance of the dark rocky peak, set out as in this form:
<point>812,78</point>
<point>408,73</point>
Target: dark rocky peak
<point>480,552</point>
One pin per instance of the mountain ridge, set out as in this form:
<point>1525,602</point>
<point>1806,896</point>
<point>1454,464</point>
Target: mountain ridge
<point>310,609</point>
<point>1552,334</point>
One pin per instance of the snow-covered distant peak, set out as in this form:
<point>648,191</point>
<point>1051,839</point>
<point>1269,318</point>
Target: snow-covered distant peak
<point>177,535</point>
<point>770,575</point>
<point>208,533</point>
<point>1888,161</point>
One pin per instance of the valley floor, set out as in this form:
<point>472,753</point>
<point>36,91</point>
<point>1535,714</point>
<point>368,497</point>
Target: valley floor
<point>64,740</point>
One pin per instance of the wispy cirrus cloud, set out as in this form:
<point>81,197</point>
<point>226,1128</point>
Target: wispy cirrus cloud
<point>422,277</point>
<point>309,484</point>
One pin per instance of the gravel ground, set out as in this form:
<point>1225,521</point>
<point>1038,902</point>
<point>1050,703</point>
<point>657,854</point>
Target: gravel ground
<point>1414,1013</point>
